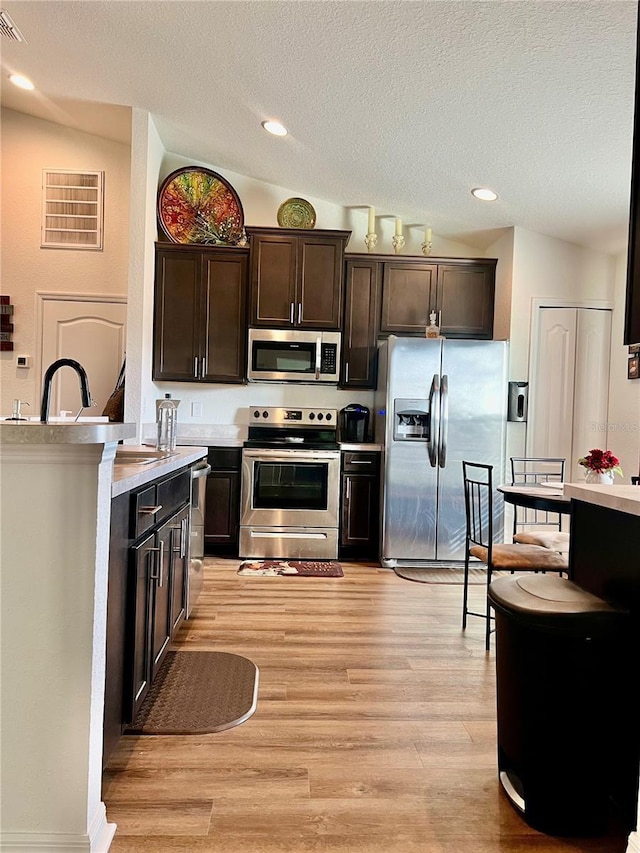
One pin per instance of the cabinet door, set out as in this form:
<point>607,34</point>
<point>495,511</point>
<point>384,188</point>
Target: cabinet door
<point>224,333</point>
<point>406,297</point>
<point>319,283</point>
<point>178,567</point>
<point>273,280</point>
<point>143,562</point>
<point>222,512</point>
<point>176,345</point>
<point>464,301</point>
<point>359,341</point>
<point>161,597</point>
<point>359,512</point>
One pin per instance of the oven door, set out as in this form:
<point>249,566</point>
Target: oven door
<point>290,488</point>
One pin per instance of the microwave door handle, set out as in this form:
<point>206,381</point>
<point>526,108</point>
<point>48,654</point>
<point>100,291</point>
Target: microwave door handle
<point>434,420</point>
<point>318,353</point>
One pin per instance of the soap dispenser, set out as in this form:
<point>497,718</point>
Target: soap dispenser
<point>432,330</point>
<point>16,414</point>
<point>167,423</point>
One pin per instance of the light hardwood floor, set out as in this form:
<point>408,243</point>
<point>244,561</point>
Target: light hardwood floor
<point>374,732</point>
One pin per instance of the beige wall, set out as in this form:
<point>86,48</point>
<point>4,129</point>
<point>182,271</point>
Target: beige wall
<point>30,145</point>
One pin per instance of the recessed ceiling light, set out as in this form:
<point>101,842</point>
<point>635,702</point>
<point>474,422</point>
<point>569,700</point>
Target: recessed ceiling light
<point>484,194</point>
<point>275,128</point>
<point>21,82</point>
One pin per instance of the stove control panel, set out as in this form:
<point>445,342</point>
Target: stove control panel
<point>281,416</point>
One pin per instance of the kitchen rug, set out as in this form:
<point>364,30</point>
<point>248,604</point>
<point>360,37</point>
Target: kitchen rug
<point>431,574</point>
<point>303,568</point>
<point>197,693</point>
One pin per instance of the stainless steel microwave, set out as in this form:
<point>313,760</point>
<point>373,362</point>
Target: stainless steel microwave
<point>293,355</point>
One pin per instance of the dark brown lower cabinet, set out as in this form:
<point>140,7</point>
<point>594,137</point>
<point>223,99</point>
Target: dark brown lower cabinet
<point>222,502</point>
<point>147,593</point>
<point>360,505</point>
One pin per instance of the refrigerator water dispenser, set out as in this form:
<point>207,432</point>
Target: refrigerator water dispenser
<point>410,420</point>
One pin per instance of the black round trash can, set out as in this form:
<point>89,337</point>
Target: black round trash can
<point>558,653</point>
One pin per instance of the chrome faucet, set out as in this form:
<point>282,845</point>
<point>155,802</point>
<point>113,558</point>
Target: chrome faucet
<point>48,379</point>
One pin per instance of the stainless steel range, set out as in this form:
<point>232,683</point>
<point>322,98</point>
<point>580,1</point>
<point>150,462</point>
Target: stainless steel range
<point>290,492</point>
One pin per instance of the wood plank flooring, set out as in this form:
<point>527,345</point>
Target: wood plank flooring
<point>374,732</point>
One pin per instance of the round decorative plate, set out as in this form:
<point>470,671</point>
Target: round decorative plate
<point>197,205</point>
<point>296,213</point>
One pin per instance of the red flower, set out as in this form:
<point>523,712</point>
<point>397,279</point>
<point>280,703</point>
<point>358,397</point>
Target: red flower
<point>601,460</point>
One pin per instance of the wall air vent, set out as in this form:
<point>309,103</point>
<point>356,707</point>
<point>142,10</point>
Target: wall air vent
<point>72,209</point>
<point>8,29</point>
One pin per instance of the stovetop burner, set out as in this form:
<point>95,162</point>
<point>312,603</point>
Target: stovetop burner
<point>308,429</point>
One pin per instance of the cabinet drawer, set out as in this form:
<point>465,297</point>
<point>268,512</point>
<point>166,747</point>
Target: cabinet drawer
<point>360,463</point>
<point>172,493</point>
<point>143,517</point>
<point>225,458</point>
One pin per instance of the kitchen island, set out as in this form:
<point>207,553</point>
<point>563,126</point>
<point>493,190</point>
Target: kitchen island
<point>604,559</point>
<point>56,490</point>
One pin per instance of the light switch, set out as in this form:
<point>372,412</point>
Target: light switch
<point>196,410</point>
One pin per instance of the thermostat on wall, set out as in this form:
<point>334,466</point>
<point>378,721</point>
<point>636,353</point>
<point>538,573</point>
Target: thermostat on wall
<point>23,361</point>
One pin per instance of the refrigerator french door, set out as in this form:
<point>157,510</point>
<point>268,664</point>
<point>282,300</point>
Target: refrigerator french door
<point>438,402</point>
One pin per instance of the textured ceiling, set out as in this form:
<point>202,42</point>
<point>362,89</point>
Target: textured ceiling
<point>404,105</point>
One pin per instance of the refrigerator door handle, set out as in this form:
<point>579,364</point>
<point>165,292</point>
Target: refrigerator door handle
<point>434,420</point>
<point>444,422</point>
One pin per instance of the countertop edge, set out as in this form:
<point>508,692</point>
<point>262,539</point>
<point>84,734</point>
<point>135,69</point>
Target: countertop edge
<point>621,498</point>
<point>31,432</point>
<point>127,477</point>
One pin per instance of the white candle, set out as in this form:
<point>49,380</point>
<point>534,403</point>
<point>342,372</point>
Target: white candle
<point>427,235</point>
<point>398,227</point>
<point>372,220</point>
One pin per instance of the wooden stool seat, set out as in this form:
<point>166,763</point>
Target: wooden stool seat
<point>555,540</point>
<point>521,557</point>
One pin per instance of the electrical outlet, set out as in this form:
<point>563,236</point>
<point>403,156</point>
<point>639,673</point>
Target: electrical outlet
<point>196,410</point>
<point>23,361</point>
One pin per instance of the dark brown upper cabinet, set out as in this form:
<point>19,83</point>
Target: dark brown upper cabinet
<point>461,291</point>
<point>362,286</point>
<point>296,277</point>
<point>200,313</point>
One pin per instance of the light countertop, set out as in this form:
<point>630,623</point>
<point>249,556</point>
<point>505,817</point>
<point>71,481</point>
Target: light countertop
<point>128,476</point>
<point>34,432</point>
<point>622,498</point>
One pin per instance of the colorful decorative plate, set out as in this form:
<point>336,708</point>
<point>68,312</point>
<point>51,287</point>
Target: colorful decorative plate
<point>198,206</point>
<point>296,213</point>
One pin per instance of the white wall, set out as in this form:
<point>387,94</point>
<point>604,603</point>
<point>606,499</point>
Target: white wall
<point>30,145</point>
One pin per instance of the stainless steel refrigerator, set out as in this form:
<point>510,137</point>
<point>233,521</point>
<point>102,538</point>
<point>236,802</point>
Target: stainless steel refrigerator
<point>438,402</point>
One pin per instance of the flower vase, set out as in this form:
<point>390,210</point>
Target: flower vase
<point>599,478</point>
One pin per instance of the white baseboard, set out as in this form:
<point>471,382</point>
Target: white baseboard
<point>97,840</point>
<point>633,844</point>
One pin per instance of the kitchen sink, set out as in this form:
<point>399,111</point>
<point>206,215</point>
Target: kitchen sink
<point>136,455</point>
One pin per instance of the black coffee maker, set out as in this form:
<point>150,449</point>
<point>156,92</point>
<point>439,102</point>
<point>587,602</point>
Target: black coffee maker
<point>354,423</point>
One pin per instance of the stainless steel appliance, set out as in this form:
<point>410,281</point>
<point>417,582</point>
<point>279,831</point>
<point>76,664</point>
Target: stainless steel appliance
<point>354,423</point>
<point>293,355</point>
<point>199,474</point>
<point>290,485</point>
<point>438,402</point>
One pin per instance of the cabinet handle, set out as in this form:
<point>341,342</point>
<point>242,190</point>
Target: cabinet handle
<point>346,371</point>
<point>183,537</point>
<point>299,312</point>
<point>149,510</point>
<point>291,313</point>
<point>195,367</point>
<point>157,571</point>
<point>203,367</point>
<point>361,462</point>
<point>154,572</point>
<point>348,494</point>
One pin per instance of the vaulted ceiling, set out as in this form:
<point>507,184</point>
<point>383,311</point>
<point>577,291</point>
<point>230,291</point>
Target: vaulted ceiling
<point>400,104</point>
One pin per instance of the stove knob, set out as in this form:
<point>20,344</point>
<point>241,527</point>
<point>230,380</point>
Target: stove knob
<point>256,414</point>
<point>312,416</point>
<point>265,414</point>
<point>320,416</point>
<point>328,416</point>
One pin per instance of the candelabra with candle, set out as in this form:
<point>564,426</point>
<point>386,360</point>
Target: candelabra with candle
<point>427,245</point>
<point>397,241</point>
<point>371,238</point>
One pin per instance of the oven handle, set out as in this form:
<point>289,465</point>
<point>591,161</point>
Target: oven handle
<point>289,455</point>
<point>303,534</point>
